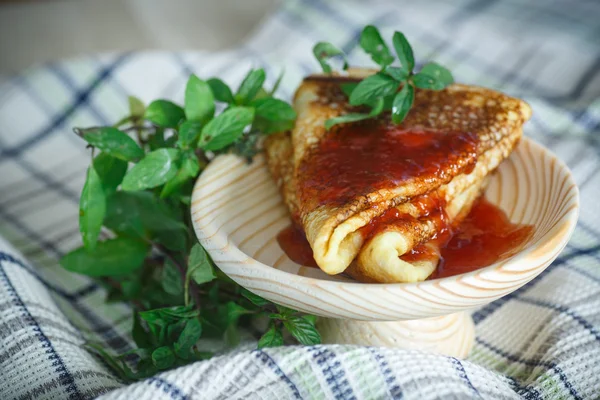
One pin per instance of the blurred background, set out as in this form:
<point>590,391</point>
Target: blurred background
<point>37,31</point>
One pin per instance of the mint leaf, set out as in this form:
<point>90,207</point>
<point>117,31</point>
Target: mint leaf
<point>189,131</point>
<point>122,215</point>
<point>153,170</point>
<point>139,334</point>
<point>277,83</point>
<point>163,358</point>
<point>254,298</point>
<point>199,266</point>
<point>199,100</point>
<point>112,257</point>
<point>164,113</point>
<point>232,335</point>
<point>190,167</point>
<point>404,51</point>
<point>111,171</point>
<point>92,207</point>
<point>141,214</point>
<point>302,330</point>
<point>346,118</point>
<point>170,279</point>
<point>262,93</point>
<point>114,142</point>
<point>235,311</point>
<point>226,128</point>
<point>145,369</point>
<point>250,86</point>
<point>110,360</point>
<point>402,103</point>
<point>372,88</point>
<point>325,51</point>
<point>156,140</point>
<point>285,311</point>
<point>348,88</point>
<point>399,74</point>
<point>175,240</point>
<point>273,115</point>
<point>188,338</point>
<point>132,213</point>
<point>247,145</point>
<point>354,117</point>
<point>136,107</point>
<point>157,214</point>
<point>168,315</point>
<point>433,76</point>
<point>273,109</point>
<point>271,338</point>
<point>131,287</point>
<point>373,44</point>
<point>202,355</point>
<point>220,90</point>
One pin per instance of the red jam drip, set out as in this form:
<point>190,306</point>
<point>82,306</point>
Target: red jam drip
<point>295,245</point>
<point>358,159</point>
<point>484,237</point>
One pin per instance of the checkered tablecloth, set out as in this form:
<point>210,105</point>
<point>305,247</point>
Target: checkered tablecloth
<point>542,341</point>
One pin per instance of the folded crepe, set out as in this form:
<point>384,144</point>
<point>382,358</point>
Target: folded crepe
<point>378,200</point>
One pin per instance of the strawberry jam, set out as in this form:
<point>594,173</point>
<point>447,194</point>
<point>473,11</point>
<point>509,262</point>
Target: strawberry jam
<point>357,159</point>
<point>485,236</point>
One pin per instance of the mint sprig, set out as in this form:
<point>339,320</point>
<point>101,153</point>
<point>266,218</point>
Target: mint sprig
<point>138,192</point>
<point>324,51</point>
<point>393,87</point>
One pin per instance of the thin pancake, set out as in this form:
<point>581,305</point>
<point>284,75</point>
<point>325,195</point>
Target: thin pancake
<point>335,229</point>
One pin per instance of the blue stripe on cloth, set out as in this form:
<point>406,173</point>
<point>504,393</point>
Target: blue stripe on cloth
<point>81,97</point>
<point>563,310</point>
<point>469,11</point>
<point>268,360</point>
<point>67,80</point>
<point>463,375</point>
<point>46,245</point>
<point>64,376</point>
<point>483,313</point>
<point>394,388</point>
<point>69,296</point>
<point>109,334</point>
<point>333,372</point>
<point>167,388</point>
<point>588,275</point>
<point>34,193</point>
<point>51,183</point>
<point>525,392</point>
<point>533,363</point>
<point>22,83</point>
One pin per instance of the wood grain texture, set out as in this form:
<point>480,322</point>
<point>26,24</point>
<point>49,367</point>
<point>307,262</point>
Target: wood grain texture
<point>451,335</point>
<point>237,213</point>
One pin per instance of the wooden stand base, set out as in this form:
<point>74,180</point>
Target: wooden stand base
<point>451,335</point>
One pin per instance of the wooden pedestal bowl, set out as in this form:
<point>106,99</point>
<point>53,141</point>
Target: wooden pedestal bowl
<point>237,213</point>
